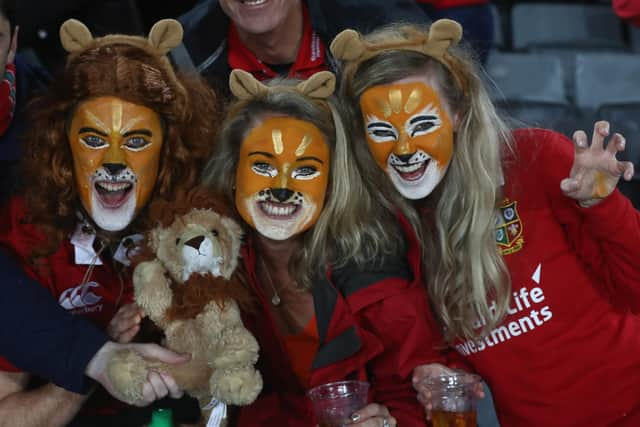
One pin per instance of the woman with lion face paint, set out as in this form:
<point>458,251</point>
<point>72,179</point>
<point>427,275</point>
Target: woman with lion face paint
<point>530,252</point>
<point>333,281</point>
<point>117,129</point>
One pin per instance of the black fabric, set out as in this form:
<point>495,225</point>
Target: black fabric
<point>351,279</point>
<point>38,335</point>
<point>206,27</point>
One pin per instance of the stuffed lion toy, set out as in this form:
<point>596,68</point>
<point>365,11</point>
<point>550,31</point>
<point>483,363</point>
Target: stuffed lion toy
<point>186,284</point>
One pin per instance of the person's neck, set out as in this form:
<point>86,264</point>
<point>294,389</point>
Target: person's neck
<point>275,253</point>
<point>280,45</point>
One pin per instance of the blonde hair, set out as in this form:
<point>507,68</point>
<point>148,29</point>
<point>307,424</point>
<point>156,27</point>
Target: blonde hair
<point>463,268</point>
<point>351,226</point>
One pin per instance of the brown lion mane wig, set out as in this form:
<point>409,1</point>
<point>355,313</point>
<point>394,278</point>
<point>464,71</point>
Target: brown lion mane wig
<point>186,104</point>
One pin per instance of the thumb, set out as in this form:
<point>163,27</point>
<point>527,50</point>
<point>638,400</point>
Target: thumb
<point>422,372</point>
<point>161,354</point>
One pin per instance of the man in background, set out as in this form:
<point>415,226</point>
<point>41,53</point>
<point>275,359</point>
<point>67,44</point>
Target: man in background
<point>270,38</point>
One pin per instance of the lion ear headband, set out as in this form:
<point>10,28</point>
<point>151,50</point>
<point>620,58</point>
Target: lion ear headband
<point>165,35</point>
<point>244,86</point>
<point>350,47</point>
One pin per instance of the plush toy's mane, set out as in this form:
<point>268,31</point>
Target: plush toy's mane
<point>163,212</point>
<point>190,298</point>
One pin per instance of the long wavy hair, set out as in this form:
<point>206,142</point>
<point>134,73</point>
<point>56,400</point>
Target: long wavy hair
<point>351,226</point>
<point>463,269</point>
<point>185,104</point>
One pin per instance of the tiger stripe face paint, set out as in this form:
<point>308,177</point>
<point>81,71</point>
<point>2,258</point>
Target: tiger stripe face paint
<point>282,177</point>
<point>409,134</point>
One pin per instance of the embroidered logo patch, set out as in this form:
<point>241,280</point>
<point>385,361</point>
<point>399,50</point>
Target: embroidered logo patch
<point>509,228</point>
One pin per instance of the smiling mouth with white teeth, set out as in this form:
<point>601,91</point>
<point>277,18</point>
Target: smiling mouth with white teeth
<point>412,171</point>
<point>113,194</point>
<point>279,211</point>
<point>253,2</point>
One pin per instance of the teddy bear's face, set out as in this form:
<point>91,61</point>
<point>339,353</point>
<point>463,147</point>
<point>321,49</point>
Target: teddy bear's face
<point>199,242</point>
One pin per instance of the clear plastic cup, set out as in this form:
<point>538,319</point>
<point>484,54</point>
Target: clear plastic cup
<point>453,397</point>
<point>334,403</point>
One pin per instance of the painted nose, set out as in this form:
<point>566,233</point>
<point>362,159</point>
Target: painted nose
<point>281,194</point>
<point>195,242</point>
<point>405,157</point>
<point>114,168</point>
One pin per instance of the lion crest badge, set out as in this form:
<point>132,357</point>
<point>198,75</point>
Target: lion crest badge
<point>509,228</point>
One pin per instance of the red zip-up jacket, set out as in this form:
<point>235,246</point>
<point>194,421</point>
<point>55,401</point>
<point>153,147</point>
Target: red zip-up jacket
<point>373,325</point>
<point>568,353</point>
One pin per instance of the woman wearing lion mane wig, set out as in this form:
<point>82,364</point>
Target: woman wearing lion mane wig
<point>530,250</point>
<point>116,130</point>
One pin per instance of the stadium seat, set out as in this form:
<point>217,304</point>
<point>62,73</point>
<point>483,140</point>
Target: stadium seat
<point>529,90</point>
<point>625,119</point>
<point>606,78</point>
<point>574,26</point>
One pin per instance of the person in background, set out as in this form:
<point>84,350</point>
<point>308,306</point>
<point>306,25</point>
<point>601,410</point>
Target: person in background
<point>117,128</point>
<point>65,349</point>
<point>19,82</point>
<point>475,16</point>
<point>629,10</point>
<point>531,253</point>
<point>338,294</point>
<point>271,38</point>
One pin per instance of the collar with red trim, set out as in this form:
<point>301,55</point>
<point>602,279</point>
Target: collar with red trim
<point>310,59</point>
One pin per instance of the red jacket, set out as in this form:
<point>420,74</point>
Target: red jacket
<point>568,352</point>
<point>373,325</point>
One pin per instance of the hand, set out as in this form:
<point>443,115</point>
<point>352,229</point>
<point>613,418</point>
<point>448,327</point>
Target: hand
<point>595,171</point>
<point>373,415</point>
<point>158,384</point>
<point>422,372</point>
<point>126,323</point>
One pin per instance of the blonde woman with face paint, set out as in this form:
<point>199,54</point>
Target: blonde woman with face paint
<point>333,281</point>
<point>530,251</point>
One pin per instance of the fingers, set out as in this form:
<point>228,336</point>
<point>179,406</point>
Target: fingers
<point>600,132</point>
<point>627,170</point>
<point>422,372</point>
<point>616,143</point>
<point>580,141</point>
<point>373,415</point>
<point>154,351</point>
<point>174,391</point>
<point>125,324</point>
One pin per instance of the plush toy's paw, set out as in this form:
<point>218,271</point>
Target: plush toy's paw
<point>234,347</point>
<point>237,386</point>
<point>127,372</point>
<point>152,289</point>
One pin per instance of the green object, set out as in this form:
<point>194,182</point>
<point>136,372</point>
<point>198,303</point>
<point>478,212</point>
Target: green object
<point>161,417</point>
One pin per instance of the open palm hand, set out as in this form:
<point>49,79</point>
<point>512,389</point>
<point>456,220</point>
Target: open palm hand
<point>595,171</point>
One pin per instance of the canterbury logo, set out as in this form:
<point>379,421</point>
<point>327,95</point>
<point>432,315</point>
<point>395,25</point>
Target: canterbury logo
<point>80,296</point>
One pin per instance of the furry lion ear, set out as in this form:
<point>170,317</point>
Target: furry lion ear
<point>443,34</point>
<point>244,86</point>
<point>74,35</point>
<point>165,35</point>
<point>348,46</point>
<point>319,85</point>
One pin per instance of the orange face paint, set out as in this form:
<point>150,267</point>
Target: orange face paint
<point>116,149</point>
<point>409,134</point>
<point>282,176</point>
